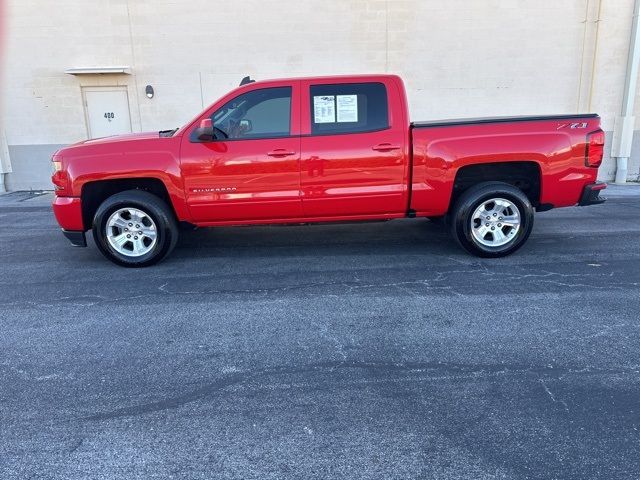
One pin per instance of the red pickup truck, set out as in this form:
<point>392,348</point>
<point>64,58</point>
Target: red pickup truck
<point>324,149</point>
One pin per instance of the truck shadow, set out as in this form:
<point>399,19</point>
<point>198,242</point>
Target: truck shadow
<point>404,237</point>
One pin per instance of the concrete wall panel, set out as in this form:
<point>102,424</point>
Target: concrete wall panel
<point>459,58</point>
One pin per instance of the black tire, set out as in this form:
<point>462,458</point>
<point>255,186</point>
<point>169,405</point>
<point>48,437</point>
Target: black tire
<point>462,212</point>
<point>155,208</point>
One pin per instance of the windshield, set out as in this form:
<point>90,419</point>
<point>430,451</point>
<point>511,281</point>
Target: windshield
<point>168,133</point>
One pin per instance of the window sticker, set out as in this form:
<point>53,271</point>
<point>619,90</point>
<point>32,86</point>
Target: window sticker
<point>324,109</point>
<point>347,108</point>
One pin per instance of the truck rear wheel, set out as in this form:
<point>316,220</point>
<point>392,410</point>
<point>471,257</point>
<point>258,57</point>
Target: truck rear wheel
<point>135,229</point>
<point>492,219</point>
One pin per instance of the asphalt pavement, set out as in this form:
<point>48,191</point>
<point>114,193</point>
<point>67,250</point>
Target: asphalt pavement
<point>354,351</point>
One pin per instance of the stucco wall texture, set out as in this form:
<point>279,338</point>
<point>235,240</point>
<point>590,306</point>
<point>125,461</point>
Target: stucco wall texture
<point>458,58</point>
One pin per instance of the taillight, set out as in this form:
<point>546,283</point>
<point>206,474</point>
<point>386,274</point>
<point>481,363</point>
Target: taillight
<point>595,149</point>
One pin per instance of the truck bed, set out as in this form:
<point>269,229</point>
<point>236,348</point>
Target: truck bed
<point>528,118</point>
<point>549,150</point>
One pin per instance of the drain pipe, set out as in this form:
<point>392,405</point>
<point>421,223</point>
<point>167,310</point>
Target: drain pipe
<point>625,124</point>
<point>5,162</point>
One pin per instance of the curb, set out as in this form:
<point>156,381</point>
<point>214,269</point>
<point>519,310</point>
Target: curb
<point>622,191</point>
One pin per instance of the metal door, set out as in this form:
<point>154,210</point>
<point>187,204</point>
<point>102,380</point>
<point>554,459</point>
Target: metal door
<point>107,111</point>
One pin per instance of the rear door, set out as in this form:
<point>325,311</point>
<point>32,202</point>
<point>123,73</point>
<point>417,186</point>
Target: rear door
<point>353,159</point>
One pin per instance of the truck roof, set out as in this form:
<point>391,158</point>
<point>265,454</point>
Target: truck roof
<point>329,78</point>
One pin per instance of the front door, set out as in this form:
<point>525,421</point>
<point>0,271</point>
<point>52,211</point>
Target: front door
<point>354,159</point>
<point>251,170</point>
<point>107,111</point>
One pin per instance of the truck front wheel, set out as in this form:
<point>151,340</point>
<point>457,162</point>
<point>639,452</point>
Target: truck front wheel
<point>134,229</point>
<point>492,219</point>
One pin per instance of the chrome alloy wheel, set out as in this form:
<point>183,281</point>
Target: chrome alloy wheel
<point>131,232</point>
<point>495,222</point>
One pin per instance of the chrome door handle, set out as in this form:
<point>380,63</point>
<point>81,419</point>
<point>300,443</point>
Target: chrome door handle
<point>385,147</point>
<point>280,152</point>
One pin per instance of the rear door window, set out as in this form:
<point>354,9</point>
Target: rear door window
<point>348,108</point>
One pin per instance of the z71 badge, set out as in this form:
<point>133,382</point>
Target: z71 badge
<point>572,125</point>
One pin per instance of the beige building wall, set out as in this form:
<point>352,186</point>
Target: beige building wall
<point>459,58</point>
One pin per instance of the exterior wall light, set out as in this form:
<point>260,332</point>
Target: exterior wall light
<point>149,91</point>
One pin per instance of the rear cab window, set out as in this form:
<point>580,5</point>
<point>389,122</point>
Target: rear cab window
<point>348,108</point>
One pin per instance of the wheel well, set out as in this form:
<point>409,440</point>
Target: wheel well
<point>523,175</point>
<point>94,193</point>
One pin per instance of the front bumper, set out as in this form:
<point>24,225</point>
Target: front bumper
<point>77,239</point>
<point>591,194</point>
<point>68,212</point>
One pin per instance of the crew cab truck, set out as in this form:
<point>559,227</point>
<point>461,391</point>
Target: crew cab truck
<point>324,149</point>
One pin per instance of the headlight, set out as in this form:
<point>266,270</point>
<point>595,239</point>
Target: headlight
<point>58,175</point>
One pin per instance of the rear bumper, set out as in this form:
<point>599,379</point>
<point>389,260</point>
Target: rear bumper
<point>68,212</point>
<point>591,194</point>
<point>77,239</point>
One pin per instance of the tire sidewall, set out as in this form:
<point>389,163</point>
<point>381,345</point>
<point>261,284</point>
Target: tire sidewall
<point>462,221</point>
<point>163,228</point>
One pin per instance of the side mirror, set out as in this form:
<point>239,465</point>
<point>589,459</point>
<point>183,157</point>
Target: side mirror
<point>204,132</point>
<point>245,126</point>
